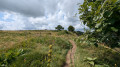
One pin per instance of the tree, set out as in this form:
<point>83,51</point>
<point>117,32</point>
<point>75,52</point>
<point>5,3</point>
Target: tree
<point>59,28</point>
<point>103,17</point>
<point>71,28</point>
<point>79,33</point>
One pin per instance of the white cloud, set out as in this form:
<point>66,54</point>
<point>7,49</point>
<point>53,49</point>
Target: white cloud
<point>6,16</point>
<point>39,14</point>
<point>16,23</point>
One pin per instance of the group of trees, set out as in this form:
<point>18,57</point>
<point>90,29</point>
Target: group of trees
<point>103,18</point>
<point>70,28</point>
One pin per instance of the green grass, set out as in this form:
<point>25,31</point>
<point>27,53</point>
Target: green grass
<point>31,48</point>
<point>79,57</point>
<point>105,57</point>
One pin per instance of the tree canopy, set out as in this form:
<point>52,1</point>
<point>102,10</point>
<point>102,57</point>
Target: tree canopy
<point>71,28</point>
<point>59,27</point>
<point>103,17</point>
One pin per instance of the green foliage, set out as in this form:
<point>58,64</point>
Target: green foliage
<point>102,16</point>
<point>71,28</point>
<point>79,33</point>
<point>27,44</point>
<point>31,48</point>
<point>109,57</point>
<point>105,56</point>
<point>62,43</point>
<point>9,56</point>
<point>59,28</point>
<point>34,59</point>
<point>63,32</point>
<point>92,62</point>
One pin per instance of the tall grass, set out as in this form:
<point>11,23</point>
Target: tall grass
<point>104,57</point>
<point>31,49</point>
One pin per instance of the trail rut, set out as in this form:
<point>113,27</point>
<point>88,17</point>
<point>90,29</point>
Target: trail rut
<point>70,55</point>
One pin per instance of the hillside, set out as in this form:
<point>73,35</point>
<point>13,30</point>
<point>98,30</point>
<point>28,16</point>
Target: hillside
<point>50,49</point>
<point>34,48</point>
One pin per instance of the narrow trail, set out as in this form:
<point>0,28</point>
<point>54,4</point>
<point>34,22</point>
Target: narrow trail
<point>70,55</point>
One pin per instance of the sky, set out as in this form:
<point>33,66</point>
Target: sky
<point>39,14</point>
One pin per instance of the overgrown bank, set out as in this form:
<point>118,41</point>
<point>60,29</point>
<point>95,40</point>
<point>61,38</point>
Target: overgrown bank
<point>88,55</point>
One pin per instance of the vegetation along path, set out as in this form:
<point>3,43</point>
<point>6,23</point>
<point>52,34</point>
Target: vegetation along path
<point>70,55</point>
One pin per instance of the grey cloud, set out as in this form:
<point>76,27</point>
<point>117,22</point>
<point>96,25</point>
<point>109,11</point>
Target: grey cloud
<point>43,8</point>
<point>51,6</point>
<point>72,19</point>
<point>29,26</point>
<point>70,7</point>
<point>41,24</point>
<point>33,8</point>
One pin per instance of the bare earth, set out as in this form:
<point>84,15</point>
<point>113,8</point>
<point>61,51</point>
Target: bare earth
<point>70,55</point>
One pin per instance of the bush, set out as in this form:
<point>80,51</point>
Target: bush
<point>63,32</point>
<point>59,28</point>
<point>71,28</point>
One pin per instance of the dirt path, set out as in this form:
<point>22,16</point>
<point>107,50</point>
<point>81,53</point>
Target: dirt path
<point>70,55</point>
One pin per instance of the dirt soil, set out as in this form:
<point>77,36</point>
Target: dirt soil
<point>70,55</point>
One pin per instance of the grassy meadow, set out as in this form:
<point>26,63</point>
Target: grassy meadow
<point>34,48</point>
<point>49,48</point>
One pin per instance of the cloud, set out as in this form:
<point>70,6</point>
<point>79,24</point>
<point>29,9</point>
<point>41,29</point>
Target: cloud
<point>39,14</point>
<point>6,16</point>
<point>33,8</point>
<point>13,22</point>
<point>1,26</point>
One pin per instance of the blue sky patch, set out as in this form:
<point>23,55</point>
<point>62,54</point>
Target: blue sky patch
<point>1,16</point>
<point>6,20</point>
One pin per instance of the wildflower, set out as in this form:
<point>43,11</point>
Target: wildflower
<point>49,60</point>
<point>50,51</point>
<point>50,46</point>
<point>49,54</point>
